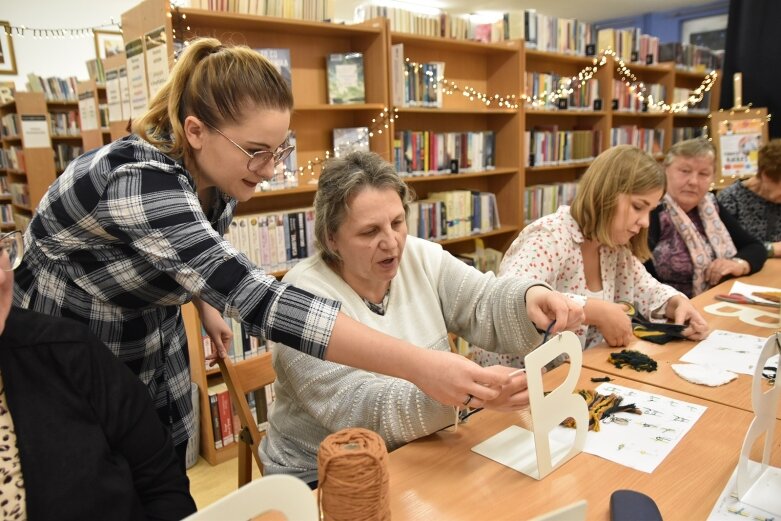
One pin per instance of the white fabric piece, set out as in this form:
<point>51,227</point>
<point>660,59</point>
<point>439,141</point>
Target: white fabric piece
<point>704,374</point>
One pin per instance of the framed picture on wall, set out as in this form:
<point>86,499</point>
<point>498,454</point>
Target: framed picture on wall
<point>108,43</point>
<point>7,58</point>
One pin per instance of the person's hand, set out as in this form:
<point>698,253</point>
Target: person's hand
<point>721,268</point>
<point>514,395</point>
<point>544,306</point>
<point>611,320</point>
<point>681,310</point>
<point>219,332</point>
<point>451,379</point>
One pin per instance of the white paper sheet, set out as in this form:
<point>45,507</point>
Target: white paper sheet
<point>645,439</point>
<point>747,289</point>
<point>734,352</point>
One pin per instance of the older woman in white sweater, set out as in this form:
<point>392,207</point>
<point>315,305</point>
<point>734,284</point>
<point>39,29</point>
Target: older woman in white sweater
<point>404,286</point>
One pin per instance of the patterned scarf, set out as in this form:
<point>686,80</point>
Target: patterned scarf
<point>715,233</point>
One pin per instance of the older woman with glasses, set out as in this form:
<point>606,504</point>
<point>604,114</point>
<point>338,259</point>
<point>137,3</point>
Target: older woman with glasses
<point>59,394</point>
<point>133,230</point>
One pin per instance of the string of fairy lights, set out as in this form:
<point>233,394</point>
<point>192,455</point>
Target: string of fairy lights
<point>382,121</point>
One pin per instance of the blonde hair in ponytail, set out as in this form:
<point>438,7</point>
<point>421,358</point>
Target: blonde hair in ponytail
<point>215,83</point>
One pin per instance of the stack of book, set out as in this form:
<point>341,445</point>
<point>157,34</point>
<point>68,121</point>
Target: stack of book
<point>64,123</point>
<point>317,10</point>
<point>702,107</point>
<point>225,422</point>
<point>625,98</point>
<point>630,45</point>
<point>690,57</point>
<point>541,85</point>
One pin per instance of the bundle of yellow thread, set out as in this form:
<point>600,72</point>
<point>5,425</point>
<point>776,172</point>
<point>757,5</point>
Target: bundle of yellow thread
<point>352,472</point>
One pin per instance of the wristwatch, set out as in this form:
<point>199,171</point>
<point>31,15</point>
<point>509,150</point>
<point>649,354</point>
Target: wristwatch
<point>769,249</point>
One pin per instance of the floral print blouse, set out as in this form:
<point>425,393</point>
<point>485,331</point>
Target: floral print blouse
<point>549,250</point>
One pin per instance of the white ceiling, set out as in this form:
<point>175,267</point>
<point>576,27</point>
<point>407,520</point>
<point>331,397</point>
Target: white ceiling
<point>583,10</point>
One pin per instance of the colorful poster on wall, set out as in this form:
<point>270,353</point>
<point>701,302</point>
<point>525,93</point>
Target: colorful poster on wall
<point>740,141</point>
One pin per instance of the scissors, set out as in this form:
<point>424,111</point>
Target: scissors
<point>737,298</point>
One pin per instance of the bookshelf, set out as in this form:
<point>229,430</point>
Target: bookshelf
<point>488,68</point>
<point>28,146</point>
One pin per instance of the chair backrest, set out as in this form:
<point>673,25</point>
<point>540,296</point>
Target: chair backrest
<point>249,375</point>
<point>279,492</point>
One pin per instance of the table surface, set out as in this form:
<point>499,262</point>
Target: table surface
<point>439,477</point>
<point>737,393</point>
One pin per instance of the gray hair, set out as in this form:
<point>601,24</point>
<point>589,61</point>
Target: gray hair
<point>340,180</point>
<point>689,148</point>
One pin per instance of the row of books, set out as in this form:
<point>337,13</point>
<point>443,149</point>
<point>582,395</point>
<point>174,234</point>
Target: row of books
<point>317,10</point>
<point>20,194</point>
<point>6,213</point>
<point>53,88</point>
<point>4,186</point>
<point>225,422</point>
<point>691,57</point>
<point>422,151</point>
<point>13,158</point>
<point>274,241</point>
<point>10,125</point>
<point>683,133</point>
<point>549,33</point>
<point>547,145</point>
<point>64,123</point>
<point>630,44</point>
<point>405,21</point>
<point>415,84</point>
<point>682,96</point>
<point>541,200</point>
<point>242,346</point>
<point>649,139</point>
<point>625,99</point>
<point>540,86</point>
<point>64,154</point>
<point>453,214</point>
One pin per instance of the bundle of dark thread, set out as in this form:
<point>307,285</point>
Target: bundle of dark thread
<point>634,359</point>
<point>601,407</point>
<point>352,472</point>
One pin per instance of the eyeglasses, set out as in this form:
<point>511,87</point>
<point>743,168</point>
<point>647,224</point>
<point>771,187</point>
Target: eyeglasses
<point>13,244</point>
<point>261,158</point>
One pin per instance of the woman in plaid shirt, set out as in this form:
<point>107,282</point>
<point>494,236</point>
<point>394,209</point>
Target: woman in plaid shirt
<point>133,230</point>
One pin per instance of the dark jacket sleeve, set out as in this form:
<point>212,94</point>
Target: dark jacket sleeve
<point>653,239</point>
<point>133,429</point>
<point>749,247</point>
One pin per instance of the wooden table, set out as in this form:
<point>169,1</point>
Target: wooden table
<point>439,477</point>
<point>737,393</point>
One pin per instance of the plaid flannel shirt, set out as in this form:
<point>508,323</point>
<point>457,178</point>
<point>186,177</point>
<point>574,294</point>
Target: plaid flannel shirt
<point>120,241</point>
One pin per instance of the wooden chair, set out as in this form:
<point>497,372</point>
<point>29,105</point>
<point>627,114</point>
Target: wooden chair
<point>266,499</point>
<point>250,375</point>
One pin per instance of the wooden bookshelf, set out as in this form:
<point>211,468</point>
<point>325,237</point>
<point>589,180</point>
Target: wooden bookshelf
<point>38,173</point>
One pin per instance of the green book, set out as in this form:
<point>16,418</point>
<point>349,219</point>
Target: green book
<point>345,78</point>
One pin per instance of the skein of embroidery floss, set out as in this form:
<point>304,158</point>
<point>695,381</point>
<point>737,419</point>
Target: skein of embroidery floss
<point>352,472</point>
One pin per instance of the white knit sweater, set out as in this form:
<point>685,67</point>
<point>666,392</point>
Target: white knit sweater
<point>432,293</point>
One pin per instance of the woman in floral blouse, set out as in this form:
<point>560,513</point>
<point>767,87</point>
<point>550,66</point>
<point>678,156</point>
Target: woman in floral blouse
<point>592,251</point>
